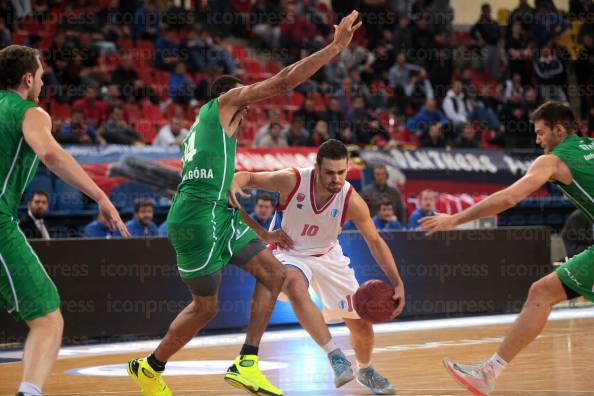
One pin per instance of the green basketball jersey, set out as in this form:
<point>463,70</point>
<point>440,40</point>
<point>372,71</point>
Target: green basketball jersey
<point>208,157</point>
<point>578,154</point>
<point>18,162</point>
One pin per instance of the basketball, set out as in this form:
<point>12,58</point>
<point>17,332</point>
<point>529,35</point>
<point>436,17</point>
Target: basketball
<point>373,301</point>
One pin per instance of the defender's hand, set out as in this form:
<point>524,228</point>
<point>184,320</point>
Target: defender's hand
<point>343,33</point>
<point>439,222</point>
<point>232,195</point>
<point>280,237</point>
<point>112,216</point>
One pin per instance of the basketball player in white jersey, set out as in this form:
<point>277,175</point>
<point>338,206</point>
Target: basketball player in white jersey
<point>316,202</point>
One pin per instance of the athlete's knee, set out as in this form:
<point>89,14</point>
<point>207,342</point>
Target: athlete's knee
<point>206,306</point>
<point>361,328</point>
<point>540,293</point>
<point>295,286</point>
<point>53,321</point>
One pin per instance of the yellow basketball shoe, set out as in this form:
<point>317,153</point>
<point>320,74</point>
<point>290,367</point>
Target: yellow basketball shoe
<point>244,374</point>
<point>150,381</point>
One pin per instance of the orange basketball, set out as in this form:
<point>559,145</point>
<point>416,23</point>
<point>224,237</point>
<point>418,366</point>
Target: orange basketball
<point>373,301</point>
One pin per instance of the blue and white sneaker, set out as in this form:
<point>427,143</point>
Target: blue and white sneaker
<point>378,384</point>
<point>343,373</point>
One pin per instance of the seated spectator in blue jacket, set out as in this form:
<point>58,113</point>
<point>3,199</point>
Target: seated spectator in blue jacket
<point>264,212</point>
<point>97,228</point>
<point>428,116</point>
<point>142,224</point>
<point>180,86</point>
<point>386,219</point>
<point>163,229</point>
<point>166,51</point>
<point>425,207</point>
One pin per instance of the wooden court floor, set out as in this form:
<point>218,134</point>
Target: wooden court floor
<point>559,363</point>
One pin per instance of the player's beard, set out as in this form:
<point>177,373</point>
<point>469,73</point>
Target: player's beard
<point>333,188</point>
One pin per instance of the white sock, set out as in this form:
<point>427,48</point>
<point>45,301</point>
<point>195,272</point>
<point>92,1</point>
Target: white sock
<point>29,389</point>
<point>330,346</point>
<point>497,363</point>
<point>363,365</point>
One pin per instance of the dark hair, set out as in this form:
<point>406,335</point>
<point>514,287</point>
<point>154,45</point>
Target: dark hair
<point>274,124</point>
<point>264,197</point>
<point>77,110</point>
<point>556,113</point>
<point>385,202</point>
<point>332,149</point>
<point>141,203</point>
<point>38,192</point>
<point>222,85</point>
<point>15,62</point>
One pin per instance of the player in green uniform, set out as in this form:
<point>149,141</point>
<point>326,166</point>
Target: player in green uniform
<point>207,232</point>
<point>26,291</point>
<point>568,162</point>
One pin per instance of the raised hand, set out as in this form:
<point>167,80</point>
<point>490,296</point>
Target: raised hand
<point>343,33</point>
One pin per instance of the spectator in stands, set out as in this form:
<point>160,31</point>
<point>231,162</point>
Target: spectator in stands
<point>297,136</point>
<point>112,96</point>
<point>267,16</point>
<point>163,229</point>
<point>166,51</point>
<point>547,22</point>
<point>486,33</point>
<point>33,222</point>
<point>78,131</point>
<point>399,74</point>
<point>522,15</point>
<point>519,53</point>
<point>513,84</point>
<point>98,228</point>
<point>426,201</point>
<point>372,132</point>
<point>577,233</point>
<point>355,56</point>
<point>418,89</point>
<point>180,88</point>
<point>146,24</point>
<point>334,117</point>
<point>423,38</point>
<point>441,69</point>
<point>94,109</point>
<point>124,76</point>
<point>171,134</point>
<point>468,138</point>
<point>142,224</point>
<point>274,117</point>
<point>385,219</point>
<point>219,59</point>
<point>550,74</point>
<point>402,36</point>
<point>110,19</point>
<point>319,134</point>
<point>308,114</point>
<point>517,123</point>
<point>347,137</point>
<point>88,51</point>
<point>335,72</point>
<point>117,131</point>
<point>531,99</point>
<point>434,138</point>
<point>455,106</point>
<point>379,191</point>
<point>297,33</point>
<point>274,137</point>
<point>264,212</point>
<point>428,116</point>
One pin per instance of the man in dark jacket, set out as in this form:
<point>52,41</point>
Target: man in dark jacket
<point>33,222</point>
<point>379,191</point>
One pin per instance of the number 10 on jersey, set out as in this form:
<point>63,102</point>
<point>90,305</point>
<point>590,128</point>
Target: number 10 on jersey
<point>310,230</point>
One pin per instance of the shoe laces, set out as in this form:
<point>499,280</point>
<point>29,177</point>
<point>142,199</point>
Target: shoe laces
<point>339,362</point>
<point>374,378</point>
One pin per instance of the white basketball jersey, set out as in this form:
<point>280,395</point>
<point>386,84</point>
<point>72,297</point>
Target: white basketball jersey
<point>313,230</point>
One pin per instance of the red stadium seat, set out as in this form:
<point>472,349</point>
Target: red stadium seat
<point>239,52</point>
<point>60,111</point>
<point>294,101</point>
<point>147,130</point>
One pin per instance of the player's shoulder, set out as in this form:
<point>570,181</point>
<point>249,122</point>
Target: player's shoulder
<point>37,113</point>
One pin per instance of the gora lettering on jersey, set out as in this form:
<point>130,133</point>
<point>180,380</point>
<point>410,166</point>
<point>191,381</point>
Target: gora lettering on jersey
<point>198,173</point>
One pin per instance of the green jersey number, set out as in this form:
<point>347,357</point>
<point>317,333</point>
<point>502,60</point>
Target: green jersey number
<point>190,143</point>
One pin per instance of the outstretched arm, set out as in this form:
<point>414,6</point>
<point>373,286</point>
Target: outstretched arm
<point>542,170</point>
<point>295,74</point>
<point>358,213</point>
<point>37,127</point>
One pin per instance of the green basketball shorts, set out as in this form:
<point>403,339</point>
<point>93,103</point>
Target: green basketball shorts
<point>205,235</point>
<point>578,273</point>
<point>26,290</point>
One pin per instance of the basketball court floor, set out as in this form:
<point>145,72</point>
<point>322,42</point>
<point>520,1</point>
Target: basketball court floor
<point>559,363</point>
